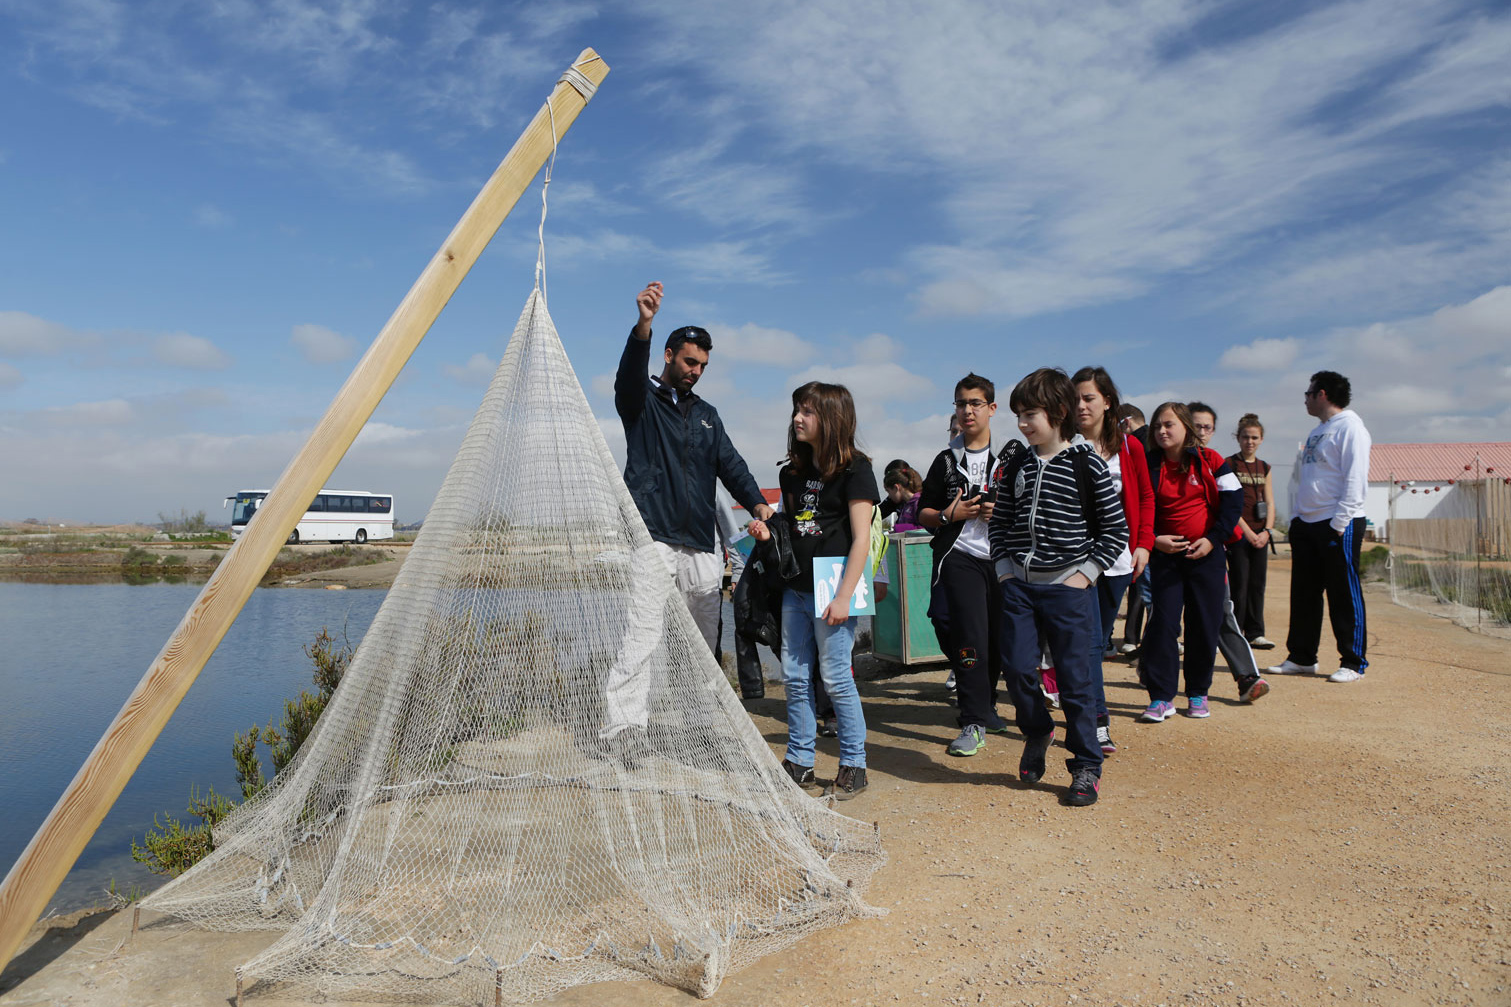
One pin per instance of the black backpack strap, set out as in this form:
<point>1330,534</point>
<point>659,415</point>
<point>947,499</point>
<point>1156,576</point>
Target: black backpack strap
<point>1086,486</point>
<point>1015,464</point>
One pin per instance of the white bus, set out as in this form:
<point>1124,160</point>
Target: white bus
<point>334,515</point>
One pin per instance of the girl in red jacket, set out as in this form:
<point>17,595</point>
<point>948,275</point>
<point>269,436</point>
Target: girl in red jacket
<point>1197,500</point>
<point>1097,403</point>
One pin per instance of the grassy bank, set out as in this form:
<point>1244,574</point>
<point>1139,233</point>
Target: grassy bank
<point>136,554</point>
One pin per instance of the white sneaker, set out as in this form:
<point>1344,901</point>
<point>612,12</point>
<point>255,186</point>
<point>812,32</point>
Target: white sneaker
<point>1345,675</point>
<point>1289,667</point>
<point>949,683</point>
<point>1262,643</point>
<point>1127,648</point>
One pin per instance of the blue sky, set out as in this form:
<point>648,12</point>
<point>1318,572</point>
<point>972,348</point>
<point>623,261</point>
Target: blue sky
<point>208,209</point>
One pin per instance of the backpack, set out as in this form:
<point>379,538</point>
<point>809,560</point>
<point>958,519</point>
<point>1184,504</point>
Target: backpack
<point>879,541</point>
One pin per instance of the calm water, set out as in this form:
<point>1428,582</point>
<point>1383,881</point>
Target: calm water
<point>69,657</point>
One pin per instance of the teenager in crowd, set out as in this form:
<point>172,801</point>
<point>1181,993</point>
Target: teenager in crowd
<point>904,490</point>
<point>1231,641</point>
<point>1248,558</point>
<point>1056,527</point>
<point>888,506</point>
<point>1097,419</point>
<point>956,502</point>
<point>1325,533</point>
<point>828,497</point>
<point>1196,503</point>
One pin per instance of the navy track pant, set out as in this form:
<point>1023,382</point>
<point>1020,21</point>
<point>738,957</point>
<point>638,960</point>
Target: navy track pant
<point>1199,588</point>
<point>1324,562</point>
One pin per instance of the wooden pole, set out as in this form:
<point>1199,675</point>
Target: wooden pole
<point>52,851</point>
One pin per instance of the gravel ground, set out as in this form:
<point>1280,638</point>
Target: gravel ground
<point>1329,844</point>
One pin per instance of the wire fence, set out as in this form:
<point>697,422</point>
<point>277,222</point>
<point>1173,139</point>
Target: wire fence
<point>1455,559</point>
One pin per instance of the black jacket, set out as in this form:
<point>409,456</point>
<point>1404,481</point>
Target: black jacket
<point>757,598</point>
<point>947,475</point>
<point>673,453</point>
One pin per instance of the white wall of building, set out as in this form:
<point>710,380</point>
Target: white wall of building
<point>1408,504</point>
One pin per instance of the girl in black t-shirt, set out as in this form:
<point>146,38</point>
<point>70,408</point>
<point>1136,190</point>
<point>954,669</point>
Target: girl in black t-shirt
<point>828,492</point>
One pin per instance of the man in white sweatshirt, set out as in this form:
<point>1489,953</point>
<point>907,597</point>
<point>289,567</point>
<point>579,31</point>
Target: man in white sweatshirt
<point>1326,531</point>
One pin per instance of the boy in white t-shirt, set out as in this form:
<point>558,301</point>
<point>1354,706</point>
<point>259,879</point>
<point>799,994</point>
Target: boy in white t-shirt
<point>956,503</point>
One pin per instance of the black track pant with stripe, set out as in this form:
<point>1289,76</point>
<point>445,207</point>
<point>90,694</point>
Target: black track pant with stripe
<point>974,596</point>
<point>1322,561</point>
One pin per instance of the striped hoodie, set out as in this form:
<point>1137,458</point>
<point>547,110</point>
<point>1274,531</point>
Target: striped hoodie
<point>1038,532</point>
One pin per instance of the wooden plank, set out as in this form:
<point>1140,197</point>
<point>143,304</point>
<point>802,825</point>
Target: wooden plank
<point>51,853</point>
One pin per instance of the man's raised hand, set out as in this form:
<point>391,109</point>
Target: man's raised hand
<point>648,302</point>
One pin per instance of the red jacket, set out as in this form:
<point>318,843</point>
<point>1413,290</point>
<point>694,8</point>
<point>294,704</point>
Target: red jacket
<point>1138,494</point>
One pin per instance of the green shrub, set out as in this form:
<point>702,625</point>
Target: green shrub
<point>169,847</point>
<point>1373,563</point>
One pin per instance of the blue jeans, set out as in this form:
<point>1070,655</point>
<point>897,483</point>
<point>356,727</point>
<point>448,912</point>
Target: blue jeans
<point>807,639</point>
<point>1067,615</point>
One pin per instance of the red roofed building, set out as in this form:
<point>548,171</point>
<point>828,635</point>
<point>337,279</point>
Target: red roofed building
<point>772,496</point>
<point>1422,477</point>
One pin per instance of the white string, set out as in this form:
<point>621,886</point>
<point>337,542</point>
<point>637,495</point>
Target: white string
<point>587,89</point>
<point>540,255</point>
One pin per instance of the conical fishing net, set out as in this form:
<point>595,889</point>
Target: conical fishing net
<point>533,774</point>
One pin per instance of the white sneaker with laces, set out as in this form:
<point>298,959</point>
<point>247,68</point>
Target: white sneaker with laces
<point>1127,648</point>
<point>1345,675</point>
<point>1289,667</point>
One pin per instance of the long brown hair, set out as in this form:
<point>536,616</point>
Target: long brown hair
<point>835,449</point>
<point>1111,434</point>
<point>1184,416</point>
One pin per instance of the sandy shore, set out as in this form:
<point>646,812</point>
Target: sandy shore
<point>1330,844</point>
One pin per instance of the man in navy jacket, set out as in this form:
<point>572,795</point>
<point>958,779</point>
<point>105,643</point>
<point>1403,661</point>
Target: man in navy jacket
<point>675,450</point>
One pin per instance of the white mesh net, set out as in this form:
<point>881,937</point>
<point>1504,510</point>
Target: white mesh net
<point>1456,562</point>
<point>533,774</point>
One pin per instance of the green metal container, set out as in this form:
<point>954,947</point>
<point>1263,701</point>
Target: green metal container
<point>901,630</point>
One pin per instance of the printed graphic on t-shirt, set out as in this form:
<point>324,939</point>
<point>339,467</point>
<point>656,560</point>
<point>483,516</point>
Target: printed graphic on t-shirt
<point>807,508</point>
<point>975,464</point>
<point>1309,455</point>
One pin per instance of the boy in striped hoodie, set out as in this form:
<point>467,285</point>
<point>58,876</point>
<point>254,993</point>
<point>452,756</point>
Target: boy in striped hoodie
<point>1057,524</point>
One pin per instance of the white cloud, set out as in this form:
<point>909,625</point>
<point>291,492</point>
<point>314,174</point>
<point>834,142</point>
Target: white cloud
<point>180,349</point>
<point>758,344</point>
<point>110,413</point>
<point>478,370</point>
<point>731,193</point>
<point>601,386</point>
<point>10,377</point>
<point>878,348</point>
<point>210,216</point>
<point>1098,153</point>
<point>1261,355</point>
<point>881,383</point>
<point>1406,400</point>
<point>725,262</point>
<point>321,345</point>
<point>24,335</point>
<point>712,261</point>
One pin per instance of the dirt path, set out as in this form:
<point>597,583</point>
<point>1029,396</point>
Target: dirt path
<point>1331,844</point>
